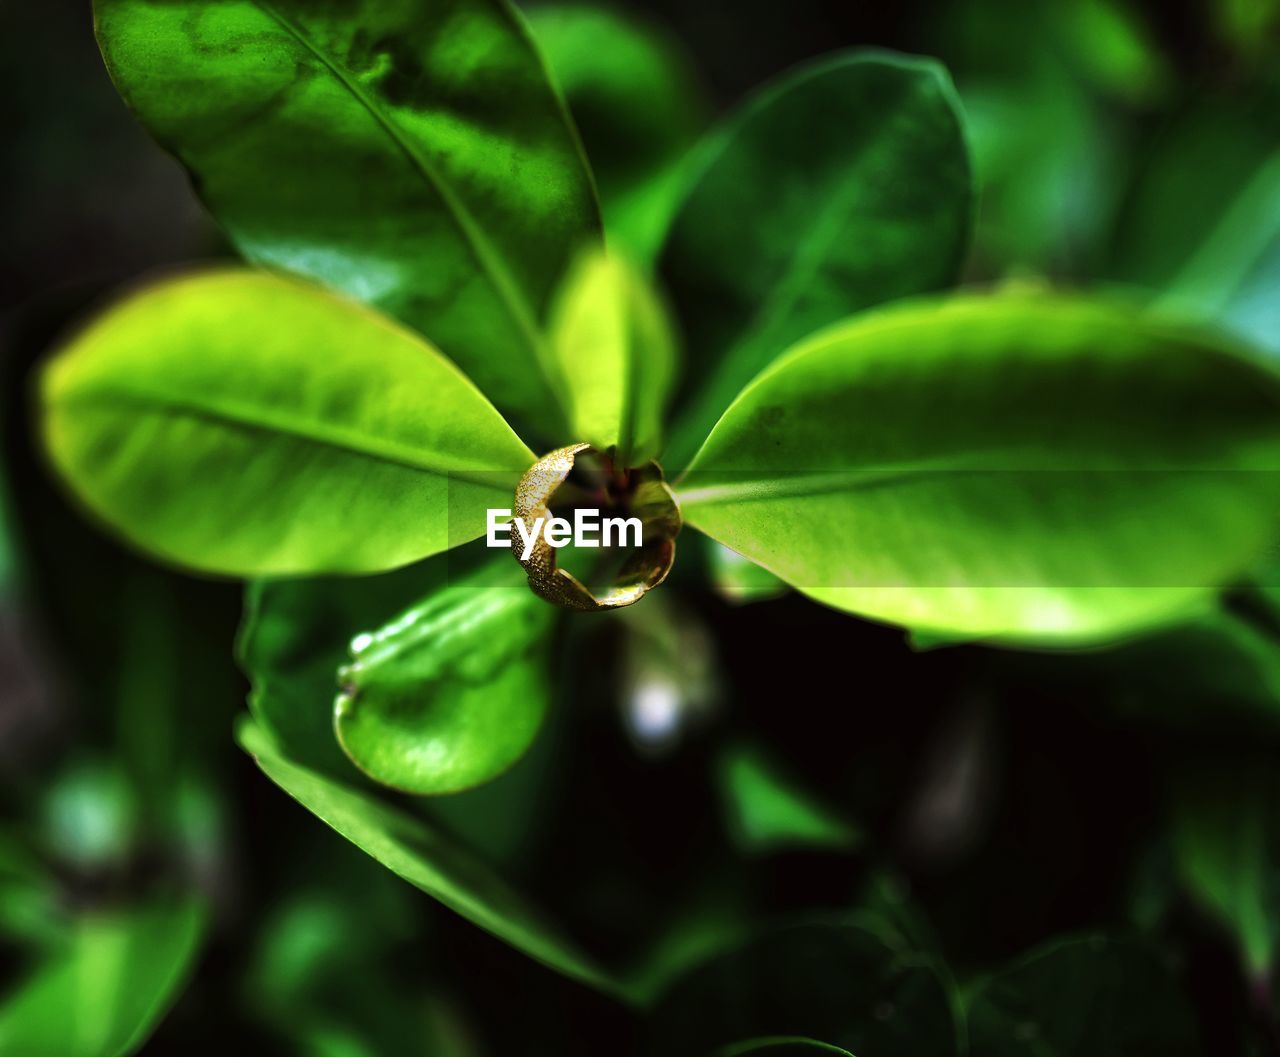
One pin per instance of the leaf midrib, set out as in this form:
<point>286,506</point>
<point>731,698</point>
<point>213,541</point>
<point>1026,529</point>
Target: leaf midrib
<point>263,420</point>
<point>473,235</point>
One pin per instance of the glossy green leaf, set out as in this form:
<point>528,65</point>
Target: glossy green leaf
<point>1022,466</point>
<point>614,354</point>
<point>1082,997</point>
<point>843,185</point>
<point>767,812</point>
<point>104,992</point>
<point>412,849</point>
<point>242,423</point>
<point>450,693</point>
<point>411,154</point>
<point>852,982</point>
<point>1220,820</point>
<point>779,1046</point>
<point>296,635</point>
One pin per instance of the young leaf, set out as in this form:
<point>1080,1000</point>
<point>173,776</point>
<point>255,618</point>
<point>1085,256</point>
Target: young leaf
<point>1018,466</point>
<point>843,185</point>
<point>411,154</point>
<point>451,692</point>
<point>614,355</point>
<point>238,422</point>
<point>1082,997</point>
<point>106,991</point>
<point>410,848</point>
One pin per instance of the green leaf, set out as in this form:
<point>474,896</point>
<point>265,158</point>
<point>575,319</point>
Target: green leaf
<point>242,423</point>
<point>843,185</point>
<point>779,1046</point>
<point>768,813</point>
<point>411,154</point>
<point>297,634</point>
<point>1020,466</point>
<point>853,980</point>
<point>453,691</point>
<point>295,637</point>
<point>419,854</point>
<point>614,354</point>
<point>1220,822</point>
<point>1082,997</point>
<point>634,97</point>
<point>104,993</point>
<point>739,579</point>
<point>1207,238</point>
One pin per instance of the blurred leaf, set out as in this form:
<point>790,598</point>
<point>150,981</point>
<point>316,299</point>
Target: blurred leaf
<point>767,813</point>
<point>1020,466</point>
<point>1217,670</point>
<point>1220,821</point>
<point>1112,46</point>
<point>1082,997</point>
<point>1233,275</point>
<point>411,154</point>
<point>740,579</point>
<point>413,850</point>
<point>635,100</point>
<point>852,981</point>
<point>780,1047</point>
<point>613,350</point>
<point>1045,164</point>
<point>342,444</point>
<point>840,186</point>
<point>452,692</point>
<point>107,990</point>
<point>1207,237</point>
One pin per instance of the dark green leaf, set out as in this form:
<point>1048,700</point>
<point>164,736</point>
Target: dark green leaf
<point>1082,997</point>
<point>451,692</point>
<point>105,991</point>
<point>614,355</point>
<point>634,98</point>
<point>855,983</point>
<point>412,849</point>
<point>843,185</point>
<point>411,154</point>
<point>238,422</point>
<point>780,1047</point>
<point>1016,466</point>
<point>1207,237</point>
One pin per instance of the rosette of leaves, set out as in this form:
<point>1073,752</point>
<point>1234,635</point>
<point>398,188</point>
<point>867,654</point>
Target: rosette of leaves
<point>429,303</point>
